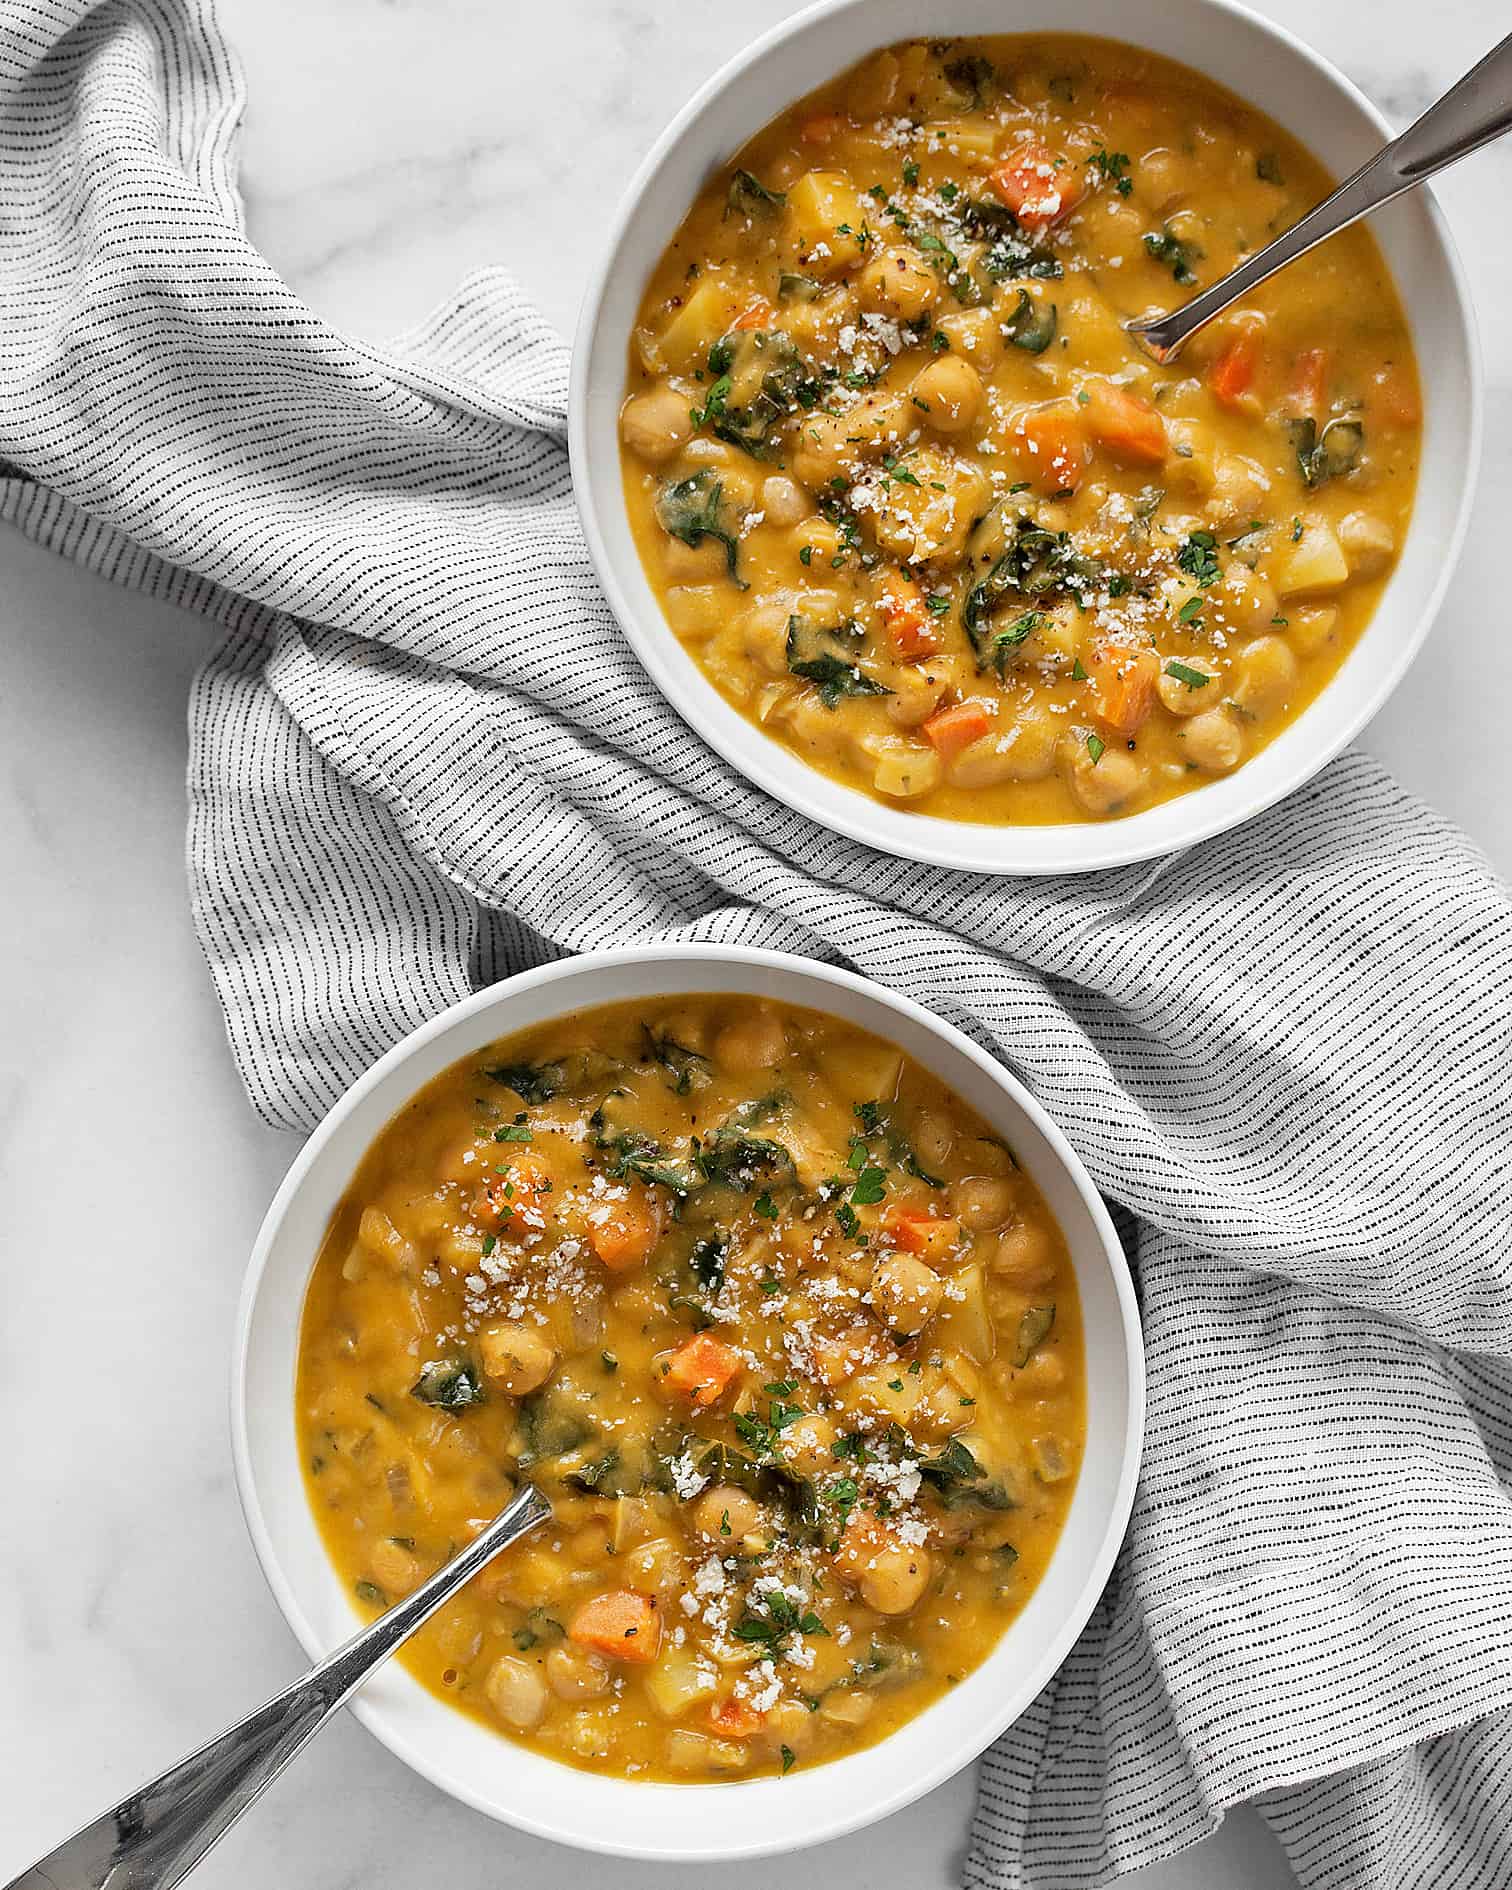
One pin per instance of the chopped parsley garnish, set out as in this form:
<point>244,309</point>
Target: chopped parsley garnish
<point>1190,611</point>
<point>1198,557</point>
<point>910,172</point>
<point>765,1206</point>
<point>1113,168</point>
<point>1184,673</point>
<point>871,1185</point>
<point>1096,748</point>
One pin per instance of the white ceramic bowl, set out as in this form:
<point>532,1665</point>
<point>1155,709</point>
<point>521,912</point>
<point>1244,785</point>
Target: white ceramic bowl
<point>1262,63</point>
<point>684,1822</point>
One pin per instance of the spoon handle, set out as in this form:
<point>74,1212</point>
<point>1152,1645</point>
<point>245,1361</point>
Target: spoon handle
<point>155,1837</point>
<point>1471,113</point>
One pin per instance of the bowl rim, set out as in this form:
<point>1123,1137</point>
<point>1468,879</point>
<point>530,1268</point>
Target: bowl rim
<point>1127,1340</point>
<point>970,846</point>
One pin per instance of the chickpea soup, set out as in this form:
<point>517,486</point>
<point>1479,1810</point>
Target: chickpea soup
<point>777,1323</point>
<point>920,507</point>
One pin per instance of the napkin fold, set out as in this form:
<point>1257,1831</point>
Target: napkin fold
<point>422,757</point>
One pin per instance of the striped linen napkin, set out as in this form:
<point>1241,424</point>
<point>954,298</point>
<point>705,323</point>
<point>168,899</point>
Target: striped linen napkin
<point>422,757</point>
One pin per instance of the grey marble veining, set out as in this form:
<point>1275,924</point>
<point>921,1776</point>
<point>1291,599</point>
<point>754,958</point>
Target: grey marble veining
<point>388,149</point>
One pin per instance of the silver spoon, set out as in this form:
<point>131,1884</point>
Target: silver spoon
<point>155,1837</point>
<point>1470,114</point>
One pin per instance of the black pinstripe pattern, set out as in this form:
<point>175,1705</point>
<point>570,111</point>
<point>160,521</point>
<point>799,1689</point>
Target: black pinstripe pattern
<point>422,757</point>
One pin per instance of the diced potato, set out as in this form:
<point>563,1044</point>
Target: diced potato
<point>931,520</point>
<point>973,333</point>
<point>906,770</point>
<point>707,311</point>
<point>1315,563</point>
<point>1369,543</point>
<point>678,1682</point>
<point>963,1323</point>
<point>825,220</point>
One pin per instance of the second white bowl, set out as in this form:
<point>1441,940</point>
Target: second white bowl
<point>683,1822</point>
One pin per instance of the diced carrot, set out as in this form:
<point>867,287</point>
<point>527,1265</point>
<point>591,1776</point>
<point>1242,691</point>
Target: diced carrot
<point>1126,424</point>
<point>1036,188</point>
<point>622,1624</point>
<point>1396,395</point>
<point>514,1196</point>
<point>734,1719</point>
<point>1051,443</point>
<point>1233,373</point>
<point>758,315</point>
<point>950,730</point>
<point>909,625</point>
<point>916,1231</point>
<point>627,1235</point>
<point>1123,685</point>
<point>702,1370</point>
<point>822,127</point>
<point>1309,384</point>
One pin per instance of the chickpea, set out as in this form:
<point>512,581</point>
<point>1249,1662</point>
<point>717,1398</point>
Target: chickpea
<point>1311,626</point>
<point>823,449</point>
<point>898,282</point>
<point>1163,179</point>
<point>693,564</point>
<point>807,1444</point>
<point>764,632</point>
<point>894,1579</point>
<point>726,1514</point>
<point>783,500</point>
<point>575,1674</point>
<point>1369,543</point>
<point>1024,1254</point>
<point>459,1637</point>
<point>1246,600</point>
<point>516,1692</point>
<point>1108,785</point>
<point>1264,676</point>
<point>933,1140</point>
<point>395,1567</point>
<point>949,390</point>
<point>905,1293</point>
<point>754,1041</point>
<point>656,424</point>
<point>1238,491</point>
<point>521,1360</point>
<point>1025,752</point>
<point>914,698</point>
<point>847,1706</point>
<point>788,1724</point>
<point>974,333</point>
<point>982,1202</point>
<point>1214,740</point>
<point>1186,698</point>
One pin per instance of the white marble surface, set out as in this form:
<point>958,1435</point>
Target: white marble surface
<point>389,148</point>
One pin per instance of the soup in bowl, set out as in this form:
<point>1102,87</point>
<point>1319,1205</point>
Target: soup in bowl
<point>804,1316</point>
<point>899,517</point>
<point>923,510</point>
